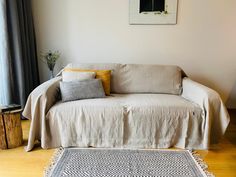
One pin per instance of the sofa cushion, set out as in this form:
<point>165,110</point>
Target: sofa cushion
<point>162,121</point>
<point>140,78</point>
<point>104,75</point>
<point>88,122</point>
<point>135,120</point>
<point>115,70</point>
<point>76,90</point>
<point>68,76</point>
<point>137,78</point>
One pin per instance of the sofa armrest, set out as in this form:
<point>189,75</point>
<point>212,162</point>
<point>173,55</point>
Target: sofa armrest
<point>46,94</point>
<point>38,103</point>
<point>215,113</point>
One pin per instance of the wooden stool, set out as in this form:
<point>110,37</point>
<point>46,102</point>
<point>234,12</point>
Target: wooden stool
<point>10,130</point>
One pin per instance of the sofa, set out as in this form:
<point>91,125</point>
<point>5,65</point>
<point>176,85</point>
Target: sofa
<point>150,106</point>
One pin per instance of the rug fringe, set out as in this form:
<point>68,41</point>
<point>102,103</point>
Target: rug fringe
<point>201,163</point>
<point>56,155</point>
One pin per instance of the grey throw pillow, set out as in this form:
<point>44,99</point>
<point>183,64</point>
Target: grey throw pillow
<point>77,90</point>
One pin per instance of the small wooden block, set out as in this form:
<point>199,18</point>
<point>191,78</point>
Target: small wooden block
<point>13,130</point>
<point>10,130</point>
<point>3,143</point>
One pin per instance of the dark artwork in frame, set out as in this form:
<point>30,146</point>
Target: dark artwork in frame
<point>152,6</point>
<point>153,12</point>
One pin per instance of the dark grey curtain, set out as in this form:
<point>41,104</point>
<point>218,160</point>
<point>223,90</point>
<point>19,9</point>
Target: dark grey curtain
<point>22,60</point>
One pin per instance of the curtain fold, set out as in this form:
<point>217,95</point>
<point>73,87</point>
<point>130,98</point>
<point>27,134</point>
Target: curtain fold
<point>5,95</point>
<point>19,59</point>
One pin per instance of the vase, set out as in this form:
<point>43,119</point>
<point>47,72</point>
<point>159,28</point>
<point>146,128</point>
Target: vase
<point>51,74</point>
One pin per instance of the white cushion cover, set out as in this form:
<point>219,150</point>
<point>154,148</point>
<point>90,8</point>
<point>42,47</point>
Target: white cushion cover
<point>68,76</point>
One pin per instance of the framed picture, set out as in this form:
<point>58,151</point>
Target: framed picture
<point>152,12</point>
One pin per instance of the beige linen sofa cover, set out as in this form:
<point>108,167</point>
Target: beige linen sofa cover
<point>140,78</point>
<point>190,116</point>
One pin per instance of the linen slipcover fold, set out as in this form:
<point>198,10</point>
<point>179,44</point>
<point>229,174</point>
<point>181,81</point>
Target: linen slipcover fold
<point>195,119</point>
<point>215,112</point>
<point>38,103</point>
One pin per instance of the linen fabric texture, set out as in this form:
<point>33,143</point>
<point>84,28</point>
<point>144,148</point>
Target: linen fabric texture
<point>139,78</point>
<point>77,90</point>
<point>196,119</point>
<point>128,120</point>
<point>104,75</point>
<point>68,76</point>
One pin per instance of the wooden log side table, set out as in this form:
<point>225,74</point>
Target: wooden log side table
<point>10,130</point>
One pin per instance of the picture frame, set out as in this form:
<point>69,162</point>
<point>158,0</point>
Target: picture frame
<point>153,12</point>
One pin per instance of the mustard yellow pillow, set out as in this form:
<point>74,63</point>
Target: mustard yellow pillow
<point>104,75</point>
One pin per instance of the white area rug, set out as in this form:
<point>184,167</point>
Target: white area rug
<point>76,162</point>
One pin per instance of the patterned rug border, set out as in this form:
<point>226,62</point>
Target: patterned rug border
<point>195,156</point>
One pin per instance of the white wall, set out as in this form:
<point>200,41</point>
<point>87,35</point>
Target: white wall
<point>203,42</point>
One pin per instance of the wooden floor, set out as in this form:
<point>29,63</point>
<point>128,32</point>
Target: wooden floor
<point>18,163</point>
